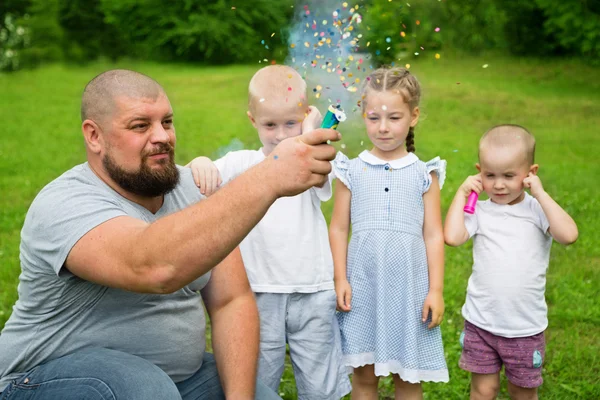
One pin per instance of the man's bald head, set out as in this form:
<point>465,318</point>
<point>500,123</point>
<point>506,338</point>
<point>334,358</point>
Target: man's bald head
<point>509,136</point>
<point>275,83</point>
<point>98,100</point>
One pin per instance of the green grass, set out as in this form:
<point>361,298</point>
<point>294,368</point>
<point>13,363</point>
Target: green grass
<point>559,101</point>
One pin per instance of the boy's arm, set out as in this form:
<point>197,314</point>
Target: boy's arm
<point>338,239</point>
<point>455,230</point>
<point>561,226</point>
<point>434,246</point>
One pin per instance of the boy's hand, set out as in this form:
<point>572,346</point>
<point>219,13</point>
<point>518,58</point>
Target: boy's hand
<point>312,121</point>
<point>472,184</point>
<point>434,302</point>
<point>534,183</point>
<point>343,292</point>
<point>206,175</point>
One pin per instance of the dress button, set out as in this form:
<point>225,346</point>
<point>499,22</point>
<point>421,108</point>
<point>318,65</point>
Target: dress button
<point>387,190</point>
<point>387,167</point>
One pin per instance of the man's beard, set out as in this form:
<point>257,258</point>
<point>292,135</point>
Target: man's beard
<point>146,181</point>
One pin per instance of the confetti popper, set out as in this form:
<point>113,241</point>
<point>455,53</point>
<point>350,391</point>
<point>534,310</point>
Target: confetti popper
<point>333,117</point>
<point>471,203</point>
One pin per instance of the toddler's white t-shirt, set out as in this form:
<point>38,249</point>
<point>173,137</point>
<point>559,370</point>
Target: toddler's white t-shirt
<point>511,251</point>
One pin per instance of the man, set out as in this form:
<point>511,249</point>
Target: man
<point>112,260</point>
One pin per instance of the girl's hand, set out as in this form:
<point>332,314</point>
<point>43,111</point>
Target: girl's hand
<point>206,175</point>
<point>343,292</point>
<point>534,183</point>
<point>434,302</point>
<point>472,184</point>
<point>312,121</point>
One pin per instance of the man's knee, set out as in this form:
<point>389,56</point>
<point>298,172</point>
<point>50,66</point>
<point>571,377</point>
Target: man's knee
<point>112,373</point>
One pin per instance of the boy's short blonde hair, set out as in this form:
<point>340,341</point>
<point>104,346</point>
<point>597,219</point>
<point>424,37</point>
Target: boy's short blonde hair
<point>275,82</point>
<point>509,135</point>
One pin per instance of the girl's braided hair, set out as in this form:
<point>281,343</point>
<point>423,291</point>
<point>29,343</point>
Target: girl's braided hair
<point>400,81</point>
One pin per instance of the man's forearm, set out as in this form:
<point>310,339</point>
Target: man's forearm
<point>235,333</point>
<point>189,243</point>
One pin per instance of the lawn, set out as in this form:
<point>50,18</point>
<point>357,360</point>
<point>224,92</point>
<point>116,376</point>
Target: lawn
<point>559,101</point>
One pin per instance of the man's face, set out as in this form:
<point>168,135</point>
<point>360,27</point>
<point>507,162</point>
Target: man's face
<point>276,121</point>
<point>138,146</point>
<point>503,170</point>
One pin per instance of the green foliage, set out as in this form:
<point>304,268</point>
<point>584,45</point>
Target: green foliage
<point>87,34</point>
<point>429,25</point>
<point>575,24</point>
<point>46,34</point>
<point>524,30</point>
<point>13,39</point>
<point>216,31</point>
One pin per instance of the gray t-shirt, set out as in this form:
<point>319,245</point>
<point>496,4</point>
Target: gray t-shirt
<point>58,313</point>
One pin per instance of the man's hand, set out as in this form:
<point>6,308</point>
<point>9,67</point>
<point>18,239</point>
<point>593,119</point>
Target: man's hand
<point>206,175</point>
<point>299,163</point>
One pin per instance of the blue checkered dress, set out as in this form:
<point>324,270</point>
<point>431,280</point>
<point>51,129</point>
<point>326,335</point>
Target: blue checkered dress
<point>387,268</point>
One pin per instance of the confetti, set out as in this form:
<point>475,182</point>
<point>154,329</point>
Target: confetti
<point>261,100</point>
<point>407,66</point>
<point>384,107</point>
<point>403,34</point>
<point>437,56</point>
<point>484,66</point>
<point>272,34</point>
<point>437,29</point>
<point>388,39</point>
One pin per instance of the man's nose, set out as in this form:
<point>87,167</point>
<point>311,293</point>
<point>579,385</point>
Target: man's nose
<point>160,135</point>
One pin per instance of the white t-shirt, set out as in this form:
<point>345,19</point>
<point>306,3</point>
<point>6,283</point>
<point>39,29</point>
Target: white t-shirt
<point>288,250</point>
<point>511,250</point>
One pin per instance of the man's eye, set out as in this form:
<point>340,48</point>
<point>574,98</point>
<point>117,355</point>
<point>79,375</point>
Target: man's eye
<point>139,126</point>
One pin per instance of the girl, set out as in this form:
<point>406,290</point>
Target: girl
<point>389,279</point>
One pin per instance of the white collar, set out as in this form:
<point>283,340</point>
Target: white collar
<point>398,163</point>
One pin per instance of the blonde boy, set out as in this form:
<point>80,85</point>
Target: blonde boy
<point>505,311</point>
<point>287,255</point>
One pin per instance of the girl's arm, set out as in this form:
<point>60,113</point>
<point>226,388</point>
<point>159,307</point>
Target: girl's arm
<point>455,231</point>
<point>434,245</point>
<point>338,239</point>
<point>561,226</point>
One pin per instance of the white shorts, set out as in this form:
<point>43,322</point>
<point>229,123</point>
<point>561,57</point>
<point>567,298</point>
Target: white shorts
<point>307,322</point>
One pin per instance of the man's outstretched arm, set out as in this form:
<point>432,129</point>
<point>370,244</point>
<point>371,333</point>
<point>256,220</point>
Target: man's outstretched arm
<point>173,251</point>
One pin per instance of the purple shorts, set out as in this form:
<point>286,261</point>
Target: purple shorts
<point>484,353</point>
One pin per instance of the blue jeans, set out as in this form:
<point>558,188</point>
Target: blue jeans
<point>102,374</point>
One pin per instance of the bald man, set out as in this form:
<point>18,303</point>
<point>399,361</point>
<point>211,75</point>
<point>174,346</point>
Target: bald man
<point>118,256</point>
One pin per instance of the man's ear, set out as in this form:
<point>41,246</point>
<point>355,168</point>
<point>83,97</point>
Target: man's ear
<point>478,167</point>
<point>251,118</point>
<point>534,169</point>
<point>91,135</point>
<point>415,116</point>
